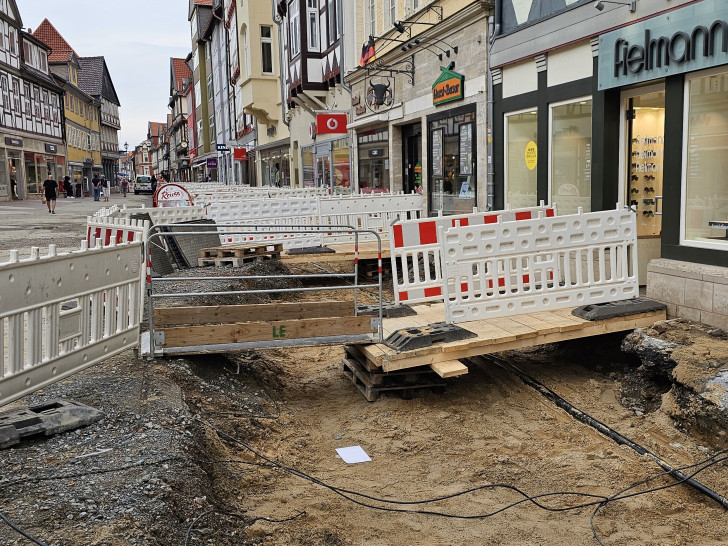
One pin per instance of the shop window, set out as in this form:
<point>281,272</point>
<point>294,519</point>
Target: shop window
<point>312,25</point>
<point>521,136</point>
<point>275,168</point>
<point>294,34</point>
<point>452,151</point>
<point>309,171</point>
<point>570,160</point>
<point>342,171</point>
<point>705,190</point>
<point>373,161</point>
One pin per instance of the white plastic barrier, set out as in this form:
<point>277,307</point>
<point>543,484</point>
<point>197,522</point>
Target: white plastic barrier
<point>368,211</point>
<point>266,215</point>
<point>119,230</point>
<point>508,268</point>
<point>61,313</point>
<point>106,212</point>
<point>415,250</point>
<point>167,215</point>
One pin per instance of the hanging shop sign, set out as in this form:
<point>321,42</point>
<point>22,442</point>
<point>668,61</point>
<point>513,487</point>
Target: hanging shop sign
<point>691,38</point>
<point>448,87</point>
<point>327,123</point>
<point>212,163</point>
<point>240,154</point>
<point>13,141</point>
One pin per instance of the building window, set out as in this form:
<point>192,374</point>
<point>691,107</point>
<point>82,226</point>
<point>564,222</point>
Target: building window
<point>570,159</point>
<point>521,137</point>
<point>210,87</point>
<point>312,25</point>
<point>266,48</point>
<point>452,152</point>
<point>705,201</point>
<point>198,92</point>
<point>294,35</point>
<point>213,133</point>
<point>333,14</point>
<point>389,7</point>
<point>370,17</point>
<point>246,52</point>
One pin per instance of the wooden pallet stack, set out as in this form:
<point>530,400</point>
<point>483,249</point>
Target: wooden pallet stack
<point>371,380</point>
<point>236,255</point>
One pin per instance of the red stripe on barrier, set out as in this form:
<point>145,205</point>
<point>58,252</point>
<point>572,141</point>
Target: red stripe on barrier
<point>119,237</point>
<point>107,237</point>
<point>435,291</point>
<point>130,236</point>
<point>428,233</point>
<point>490,219</point>
<point>397,232</point>
<point>403,296</point>
<point>97,235</point>
<point>550,213</point>
<point>523,215</point>
<point>464,287</point>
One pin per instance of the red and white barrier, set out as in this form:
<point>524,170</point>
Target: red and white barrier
<point>546,263</point>
<point>415,249</point>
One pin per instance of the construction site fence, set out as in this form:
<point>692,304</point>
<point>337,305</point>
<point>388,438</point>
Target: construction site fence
<point>414,246</point>
<point>545,263</point>
<point>63,312</point>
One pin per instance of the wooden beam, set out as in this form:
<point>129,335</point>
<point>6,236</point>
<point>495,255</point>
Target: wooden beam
<point>240,332</point>
<point>449,368</point>
<point>169,316</point>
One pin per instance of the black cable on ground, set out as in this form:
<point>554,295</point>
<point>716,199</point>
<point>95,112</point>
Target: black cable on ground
<point>239,516</point>
<point>18,530</point>
<point>601,427</point>
<point>704,464</point>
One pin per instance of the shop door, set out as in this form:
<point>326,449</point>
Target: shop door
<point>322,157</point>
<point>412,153</point>
<point>644,135</point>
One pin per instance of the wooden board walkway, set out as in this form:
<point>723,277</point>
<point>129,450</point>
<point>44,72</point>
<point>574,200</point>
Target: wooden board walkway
<point>493,335</point>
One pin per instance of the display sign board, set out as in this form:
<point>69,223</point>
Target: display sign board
<point>212,163</point>
<point>437,152</point>
<point>172,195</point>
<point>684,40</point>
<point>531,155</point>
<point>51,148</point>
<point>448,87</point>
<point>240,154</point>
<point>466,148</point>
<point>13,141</point>
<point>222,148</point>
<point>331,122</point>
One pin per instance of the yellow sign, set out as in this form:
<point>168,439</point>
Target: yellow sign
<point>448,90</point>
<point>531,155</point>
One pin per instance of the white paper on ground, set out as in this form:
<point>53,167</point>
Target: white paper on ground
<point>353,454</point>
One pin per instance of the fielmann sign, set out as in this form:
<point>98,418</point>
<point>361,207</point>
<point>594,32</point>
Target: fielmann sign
<point>684,40</point>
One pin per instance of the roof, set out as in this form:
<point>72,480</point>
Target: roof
<point>60,49</point>
<point>203,2</point>
<point>156,128</point>
<point>180,72</point>
<point>94,78</point>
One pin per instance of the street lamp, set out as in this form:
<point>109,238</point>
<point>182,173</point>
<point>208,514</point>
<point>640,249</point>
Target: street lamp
<point>632,5</point>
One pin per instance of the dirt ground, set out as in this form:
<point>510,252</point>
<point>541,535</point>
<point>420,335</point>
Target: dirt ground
<point>240,449</point>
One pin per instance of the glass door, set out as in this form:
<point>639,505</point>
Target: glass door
<point>644,136</point>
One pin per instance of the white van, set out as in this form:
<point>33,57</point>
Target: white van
<point>143,183</point>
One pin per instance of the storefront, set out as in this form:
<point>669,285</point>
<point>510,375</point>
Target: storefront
<point>275,167</point>
<point>25,163</point>
<point>373,152</point>
<point>326,164</point>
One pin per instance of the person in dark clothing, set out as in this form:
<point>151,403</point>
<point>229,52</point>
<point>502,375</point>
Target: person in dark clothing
<point>154,183</point>
<point>13,188</point>
<point>50,186</point>
<point>96,183</point>
<point>67,185</point>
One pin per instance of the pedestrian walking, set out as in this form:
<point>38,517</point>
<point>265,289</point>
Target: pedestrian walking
<point>14,188</point>
<point>96,183</point>
<point>105,187</point>
<point>124,186</point>
<point>67,185</point>
<point>50,186</point>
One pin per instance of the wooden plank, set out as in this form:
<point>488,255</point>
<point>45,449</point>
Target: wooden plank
<point>537,324</point>
<point>564,323</point>
<point>185,336</point>
<point>167,316</point>
<point>390,362</point>
<point>449,368</point>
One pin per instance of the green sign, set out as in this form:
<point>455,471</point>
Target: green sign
<point>684,40</point>
<point>448,87</point>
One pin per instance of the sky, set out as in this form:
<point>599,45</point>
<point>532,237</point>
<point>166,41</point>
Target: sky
<point>136,37</point>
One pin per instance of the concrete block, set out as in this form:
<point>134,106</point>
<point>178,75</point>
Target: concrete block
<point>688,313</point>
<point>717,275</point>
<point>714,319</point>
<point>720,299</point>
<point>666,288</point>
<point>699,294</point>
<point>674,267</point>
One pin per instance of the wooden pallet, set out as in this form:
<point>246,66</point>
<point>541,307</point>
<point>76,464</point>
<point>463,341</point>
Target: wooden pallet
<point>371,383</point>
<point>369,268</point>
<point>236,255</point>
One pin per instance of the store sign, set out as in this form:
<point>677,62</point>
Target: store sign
<point>12,141</point>
<point>329,123</point>
<point>377,152</point>
<point>448,87</point>
<point>51,148</point>
<point>691,38</point>
<point>172,195</point>
<point>212,163</point>
<point>240,154</point>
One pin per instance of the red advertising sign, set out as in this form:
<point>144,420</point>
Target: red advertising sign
<point>172,195</point>
<point>331,123</point>
<point>240,154</point>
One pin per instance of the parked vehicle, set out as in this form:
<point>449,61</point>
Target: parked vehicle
<point>143,183</point>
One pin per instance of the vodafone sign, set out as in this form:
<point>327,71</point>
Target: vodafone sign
<point>331,123</point>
